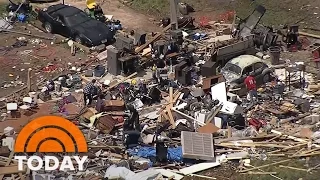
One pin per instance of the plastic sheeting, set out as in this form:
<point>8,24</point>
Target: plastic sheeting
<point>174,154</point>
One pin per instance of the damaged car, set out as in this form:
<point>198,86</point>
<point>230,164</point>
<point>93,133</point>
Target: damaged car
<point>73,23</point>
<point>235,71</point>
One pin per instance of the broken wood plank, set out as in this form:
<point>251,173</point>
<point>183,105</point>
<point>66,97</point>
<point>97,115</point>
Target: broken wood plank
<point>274,138</point>
<point>158,35</point>
<point>299,152</point>
<point>294,168</point>
<point>243,138</point>
<point>260,173</point>
<point>171,97</point>
<point>121,81</point>
<point>310,151</point>
<point>8,163</point>
<point>26,34</point>
<point>306,155</point>
<point>168,108</point>
<point>287,148</point>
<point>189,117</point>
<point>266,165</point>
<point>239,144</point>
<point>213,114</point>
<point>309,35</point>
<point>11,170</point>
<point>293,138</point>
<point>176,97</point>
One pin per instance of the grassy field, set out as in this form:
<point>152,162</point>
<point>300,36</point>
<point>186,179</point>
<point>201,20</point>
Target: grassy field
<point>2,8</point>
<point>306,13</point>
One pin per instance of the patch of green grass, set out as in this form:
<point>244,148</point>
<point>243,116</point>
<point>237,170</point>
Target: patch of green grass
<point>2,8</point>
<point>152,7</point>
<point>284,173</point>
<point>278,12</point>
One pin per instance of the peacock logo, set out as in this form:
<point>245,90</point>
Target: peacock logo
<point>50,134</point>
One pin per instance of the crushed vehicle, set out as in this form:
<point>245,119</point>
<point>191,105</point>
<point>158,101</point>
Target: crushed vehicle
<point>235,71</point>
<point>73,23</point>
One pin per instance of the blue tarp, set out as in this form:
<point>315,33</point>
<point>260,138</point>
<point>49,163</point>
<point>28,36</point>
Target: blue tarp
<point>174,154</point>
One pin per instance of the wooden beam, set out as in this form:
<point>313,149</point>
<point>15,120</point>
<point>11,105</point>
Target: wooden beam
<point>266,165</point>
<point>171,97</point>
<point>139,49</point>
<point>11,170</point>
<point>287,148</point>
<point>121,81</point>
<point>309,35</point>
<point>294,168</point>
<point>306,155</point>
<point>7,163</point>
<point>168,108</point>
<point>253,145</point>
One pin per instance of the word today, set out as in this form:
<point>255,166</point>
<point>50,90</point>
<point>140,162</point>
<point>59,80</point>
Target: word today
<point>51,163</point>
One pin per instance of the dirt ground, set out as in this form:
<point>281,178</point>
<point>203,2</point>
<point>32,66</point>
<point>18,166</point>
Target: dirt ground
<point>39,53</point>
<point>129,18</point>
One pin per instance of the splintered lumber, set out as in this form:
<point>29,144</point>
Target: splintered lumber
<point>26,34</point>
<point>310,35</point>
<point>10,170</point>
<point>139,49</point>
<point>287,148</point>
<point>260,173</point>
<point>253,144</point>
<point>294,168</point>
<point>266,165</point>
<point>310,151</point>
<point>168,108</point>
<point>7,163</point>
<point>293,138</point>
<point>121,81</point>
<point>243,138</point>
<point>187,116</point>
<point>273,138</point>
<point>298,152</point>
<point>265,171</point>
<point>171,97</point>
<point>306,155</point>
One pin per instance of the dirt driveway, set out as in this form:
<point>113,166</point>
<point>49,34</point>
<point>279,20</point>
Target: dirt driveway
<point>129,18</point>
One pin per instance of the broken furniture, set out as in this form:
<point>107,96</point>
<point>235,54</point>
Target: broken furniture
<point>129,64</point>
<point>297,70</point>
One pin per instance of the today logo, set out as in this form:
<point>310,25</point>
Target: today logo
<point>51,134</point>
